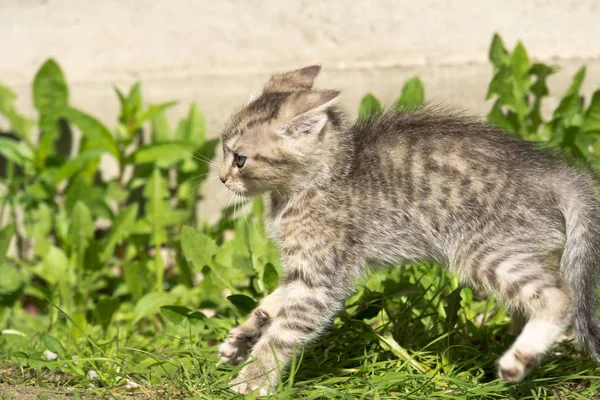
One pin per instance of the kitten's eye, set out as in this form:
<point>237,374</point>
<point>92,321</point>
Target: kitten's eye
<point>239,160</point>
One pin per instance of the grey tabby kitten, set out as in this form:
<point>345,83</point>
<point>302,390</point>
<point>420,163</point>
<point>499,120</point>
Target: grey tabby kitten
<point>513,221</point>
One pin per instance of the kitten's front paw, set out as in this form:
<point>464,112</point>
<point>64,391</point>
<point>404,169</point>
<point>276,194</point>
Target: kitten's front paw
<point>249,387</point>
<point>238,345</point>
<point>233,350</point>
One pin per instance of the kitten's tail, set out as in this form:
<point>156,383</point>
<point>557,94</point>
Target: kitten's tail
<point>581,260</point>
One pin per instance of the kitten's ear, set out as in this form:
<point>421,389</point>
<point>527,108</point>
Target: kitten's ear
<point>310,113</point>
<point>293,81</point>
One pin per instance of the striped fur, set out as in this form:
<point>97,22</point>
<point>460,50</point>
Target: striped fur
<point>512,220</point>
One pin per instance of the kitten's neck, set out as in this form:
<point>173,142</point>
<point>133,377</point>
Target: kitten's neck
<point>336,151</point>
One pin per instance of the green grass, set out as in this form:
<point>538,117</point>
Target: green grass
<point>407,333</point>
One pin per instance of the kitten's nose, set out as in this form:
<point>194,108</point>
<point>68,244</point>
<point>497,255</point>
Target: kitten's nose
<point>223,179</point>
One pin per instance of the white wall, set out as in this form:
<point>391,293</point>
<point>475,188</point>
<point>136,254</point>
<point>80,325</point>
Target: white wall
<point>217,52</point>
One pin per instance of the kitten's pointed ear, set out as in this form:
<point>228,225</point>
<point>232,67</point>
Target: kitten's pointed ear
<point>293,81</point>
<point>310,113</point>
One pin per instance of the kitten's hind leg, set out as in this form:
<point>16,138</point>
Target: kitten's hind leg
<point>242,338</point>
<point>548,303</point>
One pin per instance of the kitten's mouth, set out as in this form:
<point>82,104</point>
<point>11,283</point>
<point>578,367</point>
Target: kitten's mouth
<point>239,192</point>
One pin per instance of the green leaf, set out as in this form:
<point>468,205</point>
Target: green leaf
<point>7,100</point>
<point>161,131</point>
<point>135,277</point>
<point>542,72</point>
<point>270,277</point>
<point>122,226</point>
<point>105,309</point>
<point>577,81</point>
<point>95,134</point>
<point>453,307</point>
<point>243,303</point>
<point>150,304</point>
<point>162,154</point>
<point>77,164</point>
<point>152,111</point>
<point>20,124</point>
<point>56,266</point>
<point>519,61</point>
<point>413,94</point>
<point>55,346</point>
<point>497,53</point>
<point>12,280</point>
<point>571,103</point>
<point>497,117</point>
<point>50,92</point>
<point>6,235</point>
<point>369,106</point>
<point>198,248</point>
<point>192,130</point>
<point>176,314</point>
<point>592,115</point>
<point>39,225</point>
<point>16,151</point>
<point>82,230</point>
<point>158,209</point>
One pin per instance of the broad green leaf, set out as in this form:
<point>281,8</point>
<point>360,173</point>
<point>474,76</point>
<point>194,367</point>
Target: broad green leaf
<point>500,84</point>
<point>519,61</point>
<point>55,346</point>
<point>105,309</point>
<point>197,159</point>
<point>497,117</point>
<point>131,108</point>
<point>122,226</point>
<point>82,230</point>
<point>369,106</point>
<point>20,124</point>
<point>243,303</point>
<point>198,248</point>
<point>162,154</point>
<point>16,151</point>
<point>50,132</point>
<point>175,314</point>
<point>95,134</point>
<point>161,130</point>
<point>451,310</point>
<point>6,235</point>
<point>497,54</point>
<point>270,277</point>
<point>12,280</point>
<point>152,111</point>
<point>50,92</point>
<point>56,266</point>
<point>542,72</point>
<point>77,164</point>
<point>135,278</point>
<point>192,130</point>
<point>151,303</point>
<point>7,100</point>
<point>592,115</point>
<point>39,225</point>
<point>577,81</point>
<point>158,209</point>
<point>413,94</point>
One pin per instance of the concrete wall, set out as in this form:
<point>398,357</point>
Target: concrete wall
<point>217,52</point>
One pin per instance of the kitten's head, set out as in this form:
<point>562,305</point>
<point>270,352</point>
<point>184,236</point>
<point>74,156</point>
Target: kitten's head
<point>274,142</point>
